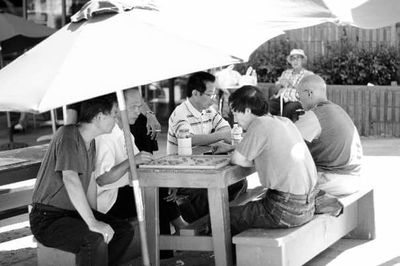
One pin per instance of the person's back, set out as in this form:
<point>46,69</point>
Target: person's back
<point>331,137</point>
<point>338,148</point>
<point>284,162</point>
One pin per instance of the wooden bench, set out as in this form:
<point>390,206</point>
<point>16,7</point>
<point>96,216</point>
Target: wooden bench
<point>200,225</point>
<point>298,245</point>
<point>15,198</point>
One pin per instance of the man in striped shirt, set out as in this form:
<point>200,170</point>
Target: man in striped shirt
<point>206,126</point>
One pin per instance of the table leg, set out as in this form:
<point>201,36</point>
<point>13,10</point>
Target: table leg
<point>220,224</point>
<point>152,224</point>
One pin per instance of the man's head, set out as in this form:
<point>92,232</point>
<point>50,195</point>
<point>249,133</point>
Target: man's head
<point>311,91</point>
<point>246,103</point>
<point>134,104</point>
<point>297,58</point>
<point>201,90</point>
<point>100,111</point>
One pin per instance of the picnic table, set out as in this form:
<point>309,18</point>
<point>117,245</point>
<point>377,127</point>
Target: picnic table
<point>20,164</point>
<point>18,170</point>
<point>216,181</point>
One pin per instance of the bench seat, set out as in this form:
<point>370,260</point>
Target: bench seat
<point>296,246</point>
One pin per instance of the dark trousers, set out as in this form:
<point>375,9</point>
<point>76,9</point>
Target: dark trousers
<point>65,230</point>
<point>196,205</point>
<point>276,210</point>
<point>125,208</point>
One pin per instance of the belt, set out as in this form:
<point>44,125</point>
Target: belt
<point>44,207</point>
<point>287,196</point>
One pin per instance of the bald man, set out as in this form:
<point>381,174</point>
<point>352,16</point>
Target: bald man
<point>332,138</point>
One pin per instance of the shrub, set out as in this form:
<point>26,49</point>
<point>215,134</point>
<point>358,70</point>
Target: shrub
<point>347,64</point>
<point>344,63</point>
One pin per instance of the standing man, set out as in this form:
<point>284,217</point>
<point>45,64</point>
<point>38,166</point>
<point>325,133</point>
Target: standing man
<point>332,138</point>
<point>206,126</point>
<point>64,197</point>
<point>284,165</point>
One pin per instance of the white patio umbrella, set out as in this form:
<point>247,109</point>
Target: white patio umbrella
<point>107,53</point>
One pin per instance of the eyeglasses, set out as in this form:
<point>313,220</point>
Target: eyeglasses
<point>212,96</point>
<point>296,57</point>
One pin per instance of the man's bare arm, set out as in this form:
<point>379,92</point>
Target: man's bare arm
<point>114,174</point>
<point>207,139</point>
<point>239,159</point>
<point>78,198</point>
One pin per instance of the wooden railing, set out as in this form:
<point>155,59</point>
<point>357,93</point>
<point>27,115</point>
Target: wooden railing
<point>375,110</point>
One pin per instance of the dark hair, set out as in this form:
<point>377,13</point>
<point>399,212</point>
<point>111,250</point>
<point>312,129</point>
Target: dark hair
<point>92,107</point>
<point>197,81</point>
<point>249,97</point>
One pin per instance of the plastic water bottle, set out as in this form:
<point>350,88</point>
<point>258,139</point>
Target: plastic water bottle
<point>236,134</point>
<point>184,142</point>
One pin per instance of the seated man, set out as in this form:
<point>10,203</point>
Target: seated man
<point>332,138</point>
<point>115,197</point>
<point>282,160</point>
<point>65,193</point>
<point>206,126</point>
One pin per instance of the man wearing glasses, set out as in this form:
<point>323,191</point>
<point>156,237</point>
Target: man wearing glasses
<point>332,138</point>
<point>206,126</point>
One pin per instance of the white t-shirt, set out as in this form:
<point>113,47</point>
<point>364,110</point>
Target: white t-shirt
<point>110,151</point>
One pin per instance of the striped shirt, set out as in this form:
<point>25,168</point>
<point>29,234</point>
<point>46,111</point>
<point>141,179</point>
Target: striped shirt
<point>187,116</point>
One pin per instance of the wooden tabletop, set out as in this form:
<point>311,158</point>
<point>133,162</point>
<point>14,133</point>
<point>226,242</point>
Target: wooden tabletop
<point>29,159</point>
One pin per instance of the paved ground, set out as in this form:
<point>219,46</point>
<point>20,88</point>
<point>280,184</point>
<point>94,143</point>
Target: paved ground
<point>381,167</point>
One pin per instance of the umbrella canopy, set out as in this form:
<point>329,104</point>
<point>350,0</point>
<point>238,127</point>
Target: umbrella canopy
<point>17,33</point>
<point>95,57</point>
<point>143,45</point>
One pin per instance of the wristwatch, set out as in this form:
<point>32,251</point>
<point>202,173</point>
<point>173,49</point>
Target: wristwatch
<point>150,113</point>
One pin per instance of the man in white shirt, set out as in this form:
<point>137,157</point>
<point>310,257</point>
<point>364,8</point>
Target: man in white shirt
<point>114,196</point>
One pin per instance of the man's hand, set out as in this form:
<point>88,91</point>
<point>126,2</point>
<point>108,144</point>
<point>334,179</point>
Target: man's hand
<point>102,228</point>
<point>171,194</point>
<point>153,126</point>
<point>221,147</point>
<point>143,157</point>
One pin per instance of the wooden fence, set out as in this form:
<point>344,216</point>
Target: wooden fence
<point>317,40</point>
<point>375,110</point>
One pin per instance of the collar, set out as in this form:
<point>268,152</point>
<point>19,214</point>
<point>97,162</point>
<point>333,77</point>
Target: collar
<point>192,109</point>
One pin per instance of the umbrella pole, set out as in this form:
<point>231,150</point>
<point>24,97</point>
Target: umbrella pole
<point>134,179</point>
<point>7,113</point>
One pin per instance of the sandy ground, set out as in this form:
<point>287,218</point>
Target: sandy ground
<point>381,167</point>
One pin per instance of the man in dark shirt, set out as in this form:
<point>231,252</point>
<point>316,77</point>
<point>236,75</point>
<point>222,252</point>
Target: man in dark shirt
<point>65,193</point>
